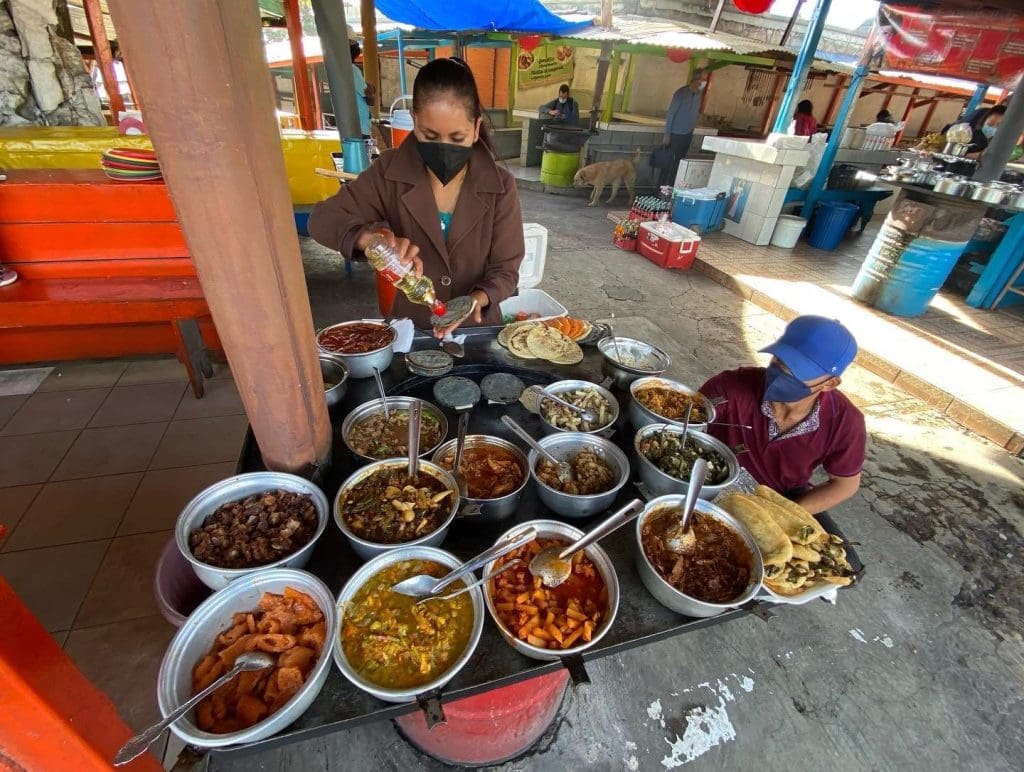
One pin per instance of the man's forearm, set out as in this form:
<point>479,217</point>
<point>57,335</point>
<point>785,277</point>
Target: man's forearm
<point>829,495</point>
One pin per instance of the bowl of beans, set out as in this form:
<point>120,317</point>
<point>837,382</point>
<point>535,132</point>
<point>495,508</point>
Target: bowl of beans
<point>361,345</point>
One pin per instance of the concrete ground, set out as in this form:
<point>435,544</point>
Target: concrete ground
<point>920,667</point>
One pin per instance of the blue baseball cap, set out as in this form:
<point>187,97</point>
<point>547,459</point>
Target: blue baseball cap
<point>813,347</point>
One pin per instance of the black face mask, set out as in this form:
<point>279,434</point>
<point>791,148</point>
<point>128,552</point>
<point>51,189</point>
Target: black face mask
<point>444,159</point>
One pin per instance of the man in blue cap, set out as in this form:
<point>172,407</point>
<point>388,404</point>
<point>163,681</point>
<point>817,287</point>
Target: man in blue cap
<point>799,420</point>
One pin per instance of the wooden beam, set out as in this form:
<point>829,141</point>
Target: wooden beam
<point>318,113</point>
<point>834,101</point>
<point>300,69</point>
<point>889,96</point>
<point>104,57</point>
<point>928,118</point>
<point>371,64</point>
<point>609,96</point>
<point>769,115</point>
<point>201,64</point>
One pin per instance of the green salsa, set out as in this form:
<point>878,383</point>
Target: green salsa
<point>396,644</point>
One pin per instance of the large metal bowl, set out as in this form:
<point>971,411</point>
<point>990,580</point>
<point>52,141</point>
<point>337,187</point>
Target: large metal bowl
<point>333,368</point>
<point>654,361</point>
<point>361,365</point>
<point>369,549</point>
<point>659,483</point>
<point>641,416</point>
<point>669,596</point>
<point>488,510</point>
<point>375,406</point>
<point>366,573</point>
<point>547,529</point>
<point>213,616</point>
<point>564,446</point>
<point>238,487</point>
<point>560,387</point>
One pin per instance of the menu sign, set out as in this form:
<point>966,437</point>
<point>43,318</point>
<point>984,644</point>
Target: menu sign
<point>545,65</point>
<point>985,46</point>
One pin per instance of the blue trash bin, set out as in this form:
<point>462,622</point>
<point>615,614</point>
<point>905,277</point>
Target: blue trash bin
<point>831,222</point>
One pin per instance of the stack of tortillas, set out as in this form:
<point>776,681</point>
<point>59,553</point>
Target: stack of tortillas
<point>533,340</point>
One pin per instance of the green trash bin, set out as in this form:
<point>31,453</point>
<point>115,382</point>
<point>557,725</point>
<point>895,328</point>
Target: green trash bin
<point>558,169</point>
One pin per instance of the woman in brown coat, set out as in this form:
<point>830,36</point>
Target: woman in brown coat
<point>440,199</point>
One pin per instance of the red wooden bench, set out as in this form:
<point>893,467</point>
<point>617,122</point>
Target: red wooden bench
<point>104,272</point>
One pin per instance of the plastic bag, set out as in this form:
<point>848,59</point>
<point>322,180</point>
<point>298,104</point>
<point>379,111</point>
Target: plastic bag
<point>816,149</point>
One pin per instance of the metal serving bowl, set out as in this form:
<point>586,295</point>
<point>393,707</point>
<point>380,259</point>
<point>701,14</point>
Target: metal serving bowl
<point>564,446</point>
<point>488,510</point>
<point>369,549</point>
<point>375,406</point>
<point>667,595</point>
<point>547,529</point>
<point>196,637</point>
<point>561,387</point>
<point>655,360</point>
<point>238,487</point>
<point>366,573</point>
<point>641,416</point>
<point>659,483</point>
<point>333,368</point>
<point>361,365</point>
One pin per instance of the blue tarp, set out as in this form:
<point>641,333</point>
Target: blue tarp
<point>477,15</point>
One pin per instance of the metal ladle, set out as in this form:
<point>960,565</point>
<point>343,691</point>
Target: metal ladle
<point>564,470</point>
<point>587,415</point>
<point>415,419</point>
<point>460,446</point>
<point>383,396</point>
<point>554,564</point>
<point>681,538</point>
<point>135,747</point>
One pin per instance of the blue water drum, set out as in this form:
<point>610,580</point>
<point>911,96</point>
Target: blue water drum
<point>831,222</point>
<point>355,155</point>
<point>902,272</point>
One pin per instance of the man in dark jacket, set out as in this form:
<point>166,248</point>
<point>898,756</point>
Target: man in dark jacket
<point>562,110</point>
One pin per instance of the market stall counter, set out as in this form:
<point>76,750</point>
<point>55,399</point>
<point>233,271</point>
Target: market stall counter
<point>640,619</point>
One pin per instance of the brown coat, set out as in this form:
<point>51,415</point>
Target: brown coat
<point>485,239</point>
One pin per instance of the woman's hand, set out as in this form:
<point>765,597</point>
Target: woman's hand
<point>408,253</point>
<point>480,302</point>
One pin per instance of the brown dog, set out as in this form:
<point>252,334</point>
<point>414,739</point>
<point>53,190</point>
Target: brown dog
<point>604,172</point>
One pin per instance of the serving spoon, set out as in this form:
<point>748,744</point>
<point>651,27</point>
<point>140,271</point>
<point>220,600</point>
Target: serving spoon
<point>587,415</point>
<point>383,396</point>
<point>554,564</point>
<point>468,587</point>
<point>135,747</point>
<point>680,537</point>
<point>460,446</point>
<point>565,473</point>
<point>426,586</point>
<point>415,419</point>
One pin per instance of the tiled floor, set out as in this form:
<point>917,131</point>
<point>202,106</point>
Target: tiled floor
<point>95,464</point>
<point>966,362</point>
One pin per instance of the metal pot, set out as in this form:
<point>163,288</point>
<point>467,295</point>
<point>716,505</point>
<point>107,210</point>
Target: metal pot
<point>488,510</point>
<point>1016,200</point>
<point>654,360</point>
<point>375,406</point>
<point>206,502</point>
<point>667,595</point>
<point>547,529</point>
<point>641,416</point>
<point>951,186</point>
<point>659,483</point>
<point>361,365</point>
<point>333,368</point>
<point>195,638</point>
<point>368,549</point>
<point>560,387</point>
<point>564,446</point>
<point>367,572</point>
<point>988,194</point>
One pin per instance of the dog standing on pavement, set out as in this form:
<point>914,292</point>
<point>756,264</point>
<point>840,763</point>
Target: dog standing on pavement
<point>602,173</point>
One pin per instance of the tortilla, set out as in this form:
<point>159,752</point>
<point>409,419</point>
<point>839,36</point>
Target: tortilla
<point>510,329</point>
<point>776,548</point>
<point>797,522</point>
<point>549,343</point>
<point>801,552</point>
<point>518,346</point>
<point>573,356</point>
<point>458,311</point>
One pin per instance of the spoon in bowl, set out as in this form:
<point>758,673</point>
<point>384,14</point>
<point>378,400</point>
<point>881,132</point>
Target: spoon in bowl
<point>135,747</point>
<point>587,415</point>
<point>415,419</point>
<point>680,537</point>
<point>383,396</point>
<point>565,473</point>
<point>460,446</point>
<point>554,564</point>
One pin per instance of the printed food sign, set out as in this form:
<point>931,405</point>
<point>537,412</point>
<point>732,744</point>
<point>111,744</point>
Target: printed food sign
<point>545,65</point>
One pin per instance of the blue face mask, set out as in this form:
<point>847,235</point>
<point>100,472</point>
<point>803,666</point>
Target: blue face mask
<point>780,386</point>
<point>988,131</point>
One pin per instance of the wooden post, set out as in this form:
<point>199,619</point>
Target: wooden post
<point>599,82</point>
<point>606,13</point>
<point>834,101</point>
<point>718,16</point>
<point>210,112</point>
<point>609,104</point>
<point>928,117</point>
<point>318,113</point>
<point>371,63</point>
<point>104,57</point>
<point>769,114</point>
<point>300,70</point>
<point>136,98</point>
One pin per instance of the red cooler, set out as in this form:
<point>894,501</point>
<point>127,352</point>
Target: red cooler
<point>667,244</point>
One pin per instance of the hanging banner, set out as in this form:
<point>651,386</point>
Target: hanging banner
<point>545,65</point>
<point>984,46</point>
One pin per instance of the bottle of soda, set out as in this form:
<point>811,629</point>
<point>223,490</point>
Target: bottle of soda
<point>384,260</point>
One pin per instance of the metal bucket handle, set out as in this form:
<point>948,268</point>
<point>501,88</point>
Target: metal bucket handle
<point>404,97</point>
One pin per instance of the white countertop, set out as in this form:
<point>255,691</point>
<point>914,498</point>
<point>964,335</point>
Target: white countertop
<point>755,151</point>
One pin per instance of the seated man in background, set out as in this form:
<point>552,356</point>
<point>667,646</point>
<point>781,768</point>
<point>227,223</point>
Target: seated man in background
<point>799,420</point>
<point>563,109</point>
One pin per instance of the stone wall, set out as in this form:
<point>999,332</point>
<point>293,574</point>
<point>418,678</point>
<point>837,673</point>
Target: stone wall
<point>43,79</point>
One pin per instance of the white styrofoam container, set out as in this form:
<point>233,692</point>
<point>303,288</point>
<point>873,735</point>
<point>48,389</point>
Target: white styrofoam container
<point>693,174</point>
<point>533,301</point>
<point>531,271</point>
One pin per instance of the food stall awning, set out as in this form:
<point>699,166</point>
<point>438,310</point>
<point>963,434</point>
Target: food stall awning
<point>480,15</point>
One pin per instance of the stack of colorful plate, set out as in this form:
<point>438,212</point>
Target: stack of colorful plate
<point>128,164</point>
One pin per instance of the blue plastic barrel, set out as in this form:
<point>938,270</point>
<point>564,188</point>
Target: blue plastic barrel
<point>831,222</point>
<point>902,273</point>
